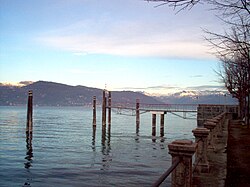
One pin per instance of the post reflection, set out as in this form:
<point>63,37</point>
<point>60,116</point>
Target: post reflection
<point>106,148</point>
<point>28,157</point>
<point>29,150</point>
<point>93,138</point>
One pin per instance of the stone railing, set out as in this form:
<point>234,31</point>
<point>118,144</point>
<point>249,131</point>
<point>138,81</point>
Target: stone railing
<point>182,152</point>
<point>205,111</point>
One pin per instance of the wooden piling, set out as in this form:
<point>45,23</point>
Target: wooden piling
<point>94,111</point>
<point>137,115</point>
<point>109,108</point>
<point>153,124</point>
<point>29,125</point>
<point>104,108</point>
<point>162,125</point>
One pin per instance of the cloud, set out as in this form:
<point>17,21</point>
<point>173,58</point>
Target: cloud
<point>126,38</point>
<point>207,87</point>
<point>148,88</point>
<point>196,76</point>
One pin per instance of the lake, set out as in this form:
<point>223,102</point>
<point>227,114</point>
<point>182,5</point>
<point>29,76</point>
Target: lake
<point>65,151</point>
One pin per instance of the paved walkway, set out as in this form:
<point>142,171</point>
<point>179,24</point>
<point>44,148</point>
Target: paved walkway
<point>238,155</point>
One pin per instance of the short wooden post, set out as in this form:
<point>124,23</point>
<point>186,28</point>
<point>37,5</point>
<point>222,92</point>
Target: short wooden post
<point>153,124</point>
<point>94,111</point>
<point>201,161</point>
<point>29,125</point>
<point>104,108</point>
<point>183,150</point>
<point>109,108</point>
<point>137,115</point>
<point>162,125</point>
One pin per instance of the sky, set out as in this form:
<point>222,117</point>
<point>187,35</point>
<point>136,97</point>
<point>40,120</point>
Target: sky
<point>113,44</point>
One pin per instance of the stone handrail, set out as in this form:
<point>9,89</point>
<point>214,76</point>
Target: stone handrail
<point>183,150</point>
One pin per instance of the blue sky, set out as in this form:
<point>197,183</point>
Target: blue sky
<point>123,44</point>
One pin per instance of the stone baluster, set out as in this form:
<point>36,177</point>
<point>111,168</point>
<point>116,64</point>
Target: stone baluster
<point>216,128</point>
<point>210,126</point>
<point>183,150</point>
<point>201,138</point>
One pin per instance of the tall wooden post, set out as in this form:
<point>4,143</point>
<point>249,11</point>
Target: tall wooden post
<point>94,111</point>
<point>103,117</point>
<point>137,115</point>
<point>109,108</point>
<point>153,124</point>
<point>29,125</point>
<point>104,108</point>
<point>162,125</point>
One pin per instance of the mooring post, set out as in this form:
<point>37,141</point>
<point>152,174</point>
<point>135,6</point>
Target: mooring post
<point>109,108</point>
<point>153,124</point>
<point>162,125</point>
<point>103,108</point>
<point>94,111</point>
<point>29,125</point>
<point>182,150</point>
<point>137,108</point>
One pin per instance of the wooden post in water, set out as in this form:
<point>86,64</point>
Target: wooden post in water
<point>104,108</point>
<point>162,125</point>
<point>29,125</point>
<point>94,111</point>
<point>137,115</point>
<point>153,124</point>
<point>109,108</point>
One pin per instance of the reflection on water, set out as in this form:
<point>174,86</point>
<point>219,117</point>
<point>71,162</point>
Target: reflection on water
<point>69,151</point>
<point>28,157</point>
<point>29,152</point>
<point>106,148</point>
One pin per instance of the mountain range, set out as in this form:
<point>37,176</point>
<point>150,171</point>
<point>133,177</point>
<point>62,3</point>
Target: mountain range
<point>57,94</point>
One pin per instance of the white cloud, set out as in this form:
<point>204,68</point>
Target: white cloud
<point>128,38</point>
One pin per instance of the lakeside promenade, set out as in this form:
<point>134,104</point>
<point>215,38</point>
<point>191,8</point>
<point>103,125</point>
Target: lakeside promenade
<point>230,162</point>
<point>238,155</point>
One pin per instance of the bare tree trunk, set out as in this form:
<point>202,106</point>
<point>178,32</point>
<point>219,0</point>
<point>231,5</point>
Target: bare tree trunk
<point>248,108</point>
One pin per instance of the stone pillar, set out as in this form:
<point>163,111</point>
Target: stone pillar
<point>216,128</point>
<point>219,125</point>
<point>210,126</point>
<point>201,162</point>
<point>183,149</point>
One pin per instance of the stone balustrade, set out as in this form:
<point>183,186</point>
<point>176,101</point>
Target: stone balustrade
<point>205,139</point>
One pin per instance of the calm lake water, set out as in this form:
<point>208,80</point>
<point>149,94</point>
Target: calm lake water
<point>65,151</point>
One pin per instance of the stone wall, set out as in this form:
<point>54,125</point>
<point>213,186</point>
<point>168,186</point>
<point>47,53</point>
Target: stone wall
<point>209,111</point>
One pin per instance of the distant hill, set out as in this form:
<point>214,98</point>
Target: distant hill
<point>56,94</point>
